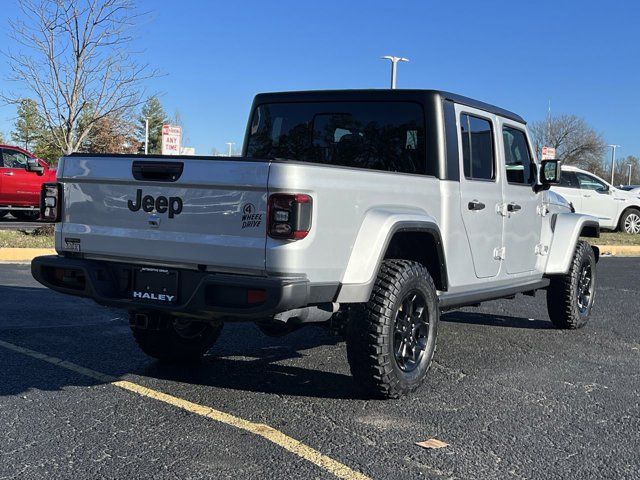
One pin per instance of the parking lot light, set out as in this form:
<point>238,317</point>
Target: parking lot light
<point>613,160</point>
<point>394,66</point>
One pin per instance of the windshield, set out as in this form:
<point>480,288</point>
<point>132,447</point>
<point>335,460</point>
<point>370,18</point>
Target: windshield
<point>376,135</point>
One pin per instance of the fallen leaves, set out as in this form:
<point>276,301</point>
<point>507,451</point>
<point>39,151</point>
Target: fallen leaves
<point>432,443</point>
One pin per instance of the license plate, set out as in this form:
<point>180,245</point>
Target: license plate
<point>155,285</point>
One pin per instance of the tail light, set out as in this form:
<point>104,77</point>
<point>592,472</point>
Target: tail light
<point>51,202</point>
<point>289,215</point>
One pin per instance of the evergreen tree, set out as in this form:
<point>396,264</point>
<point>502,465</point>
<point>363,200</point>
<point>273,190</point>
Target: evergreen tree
<point>152,111</point>
<point>47,147</point>
<point>29,124</point>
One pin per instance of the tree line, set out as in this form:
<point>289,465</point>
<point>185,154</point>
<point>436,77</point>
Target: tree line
<point>80,79</point>
<point>82,89</point>
<point>109,134</point>
<point>578,143</point>
<point>575,141</point>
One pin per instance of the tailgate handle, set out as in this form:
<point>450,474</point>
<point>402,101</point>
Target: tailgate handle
<point>157,171</point>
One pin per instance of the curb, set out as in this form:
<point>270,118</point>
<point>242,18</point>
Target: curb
<point>23,255</point>
<point>620,250</point>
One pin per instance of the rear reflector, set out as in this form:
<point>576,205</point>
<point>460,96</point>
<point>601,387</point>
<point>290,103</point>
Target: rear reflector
<point>256,296</point>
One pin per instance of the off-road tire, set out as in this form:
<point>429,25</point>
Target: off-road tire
<point>633,215</point>
<point>162,338</point>
<point>371,329</point>
<point>25,216</point>
<point>564,291</point>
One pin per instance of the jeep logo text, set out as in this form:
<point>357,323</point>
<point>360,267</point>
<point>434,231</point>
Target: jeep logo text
<point>162,204</point>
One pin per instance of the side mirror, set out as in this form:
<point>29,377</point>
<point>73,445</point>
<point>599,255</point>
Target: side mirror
<point>34,166</point>
<point>550,173</point>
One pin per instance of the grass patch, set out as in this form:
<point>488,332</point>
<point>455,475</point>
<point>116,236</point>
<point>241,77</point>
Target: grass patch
<point>17,239</point>
<point>615,238</point>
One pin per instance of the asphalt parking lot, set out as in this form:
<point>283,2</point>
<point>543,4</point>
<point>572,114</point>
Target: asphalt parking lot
<point>513,397</point>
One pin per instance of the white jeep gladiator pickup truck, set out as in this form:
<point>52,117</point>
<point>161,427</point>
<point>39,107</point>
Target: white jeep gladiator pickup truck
<point>371,210</point>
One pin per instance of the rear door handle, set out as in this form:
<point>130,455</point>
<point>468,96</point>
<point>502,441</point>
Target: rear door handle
<point>586,196</point>
<point>476,205</point>
<point>513,207</point>
<point>8,174</point>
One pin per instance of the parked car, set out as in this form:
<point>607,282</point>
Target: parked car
<point>366,210</point>
<point>635,189</point>
<point>19,188</point>
<point>614,208</point>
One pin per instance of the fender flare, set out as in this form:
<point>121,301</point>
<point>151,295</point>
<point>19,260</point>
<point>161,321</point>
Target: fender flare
<point>567,228</point>
<point>377,229</point>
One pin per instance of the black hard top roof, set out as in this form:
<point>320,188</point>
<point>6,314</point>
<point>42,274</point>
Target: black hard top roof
<point>382,95</point>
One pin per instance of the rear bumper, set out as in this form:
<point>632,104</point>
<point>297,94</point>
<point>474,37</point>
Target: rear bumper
<point>201,294</point>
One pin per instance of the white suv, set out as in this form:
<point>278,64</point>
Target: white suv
<point>589,194</point>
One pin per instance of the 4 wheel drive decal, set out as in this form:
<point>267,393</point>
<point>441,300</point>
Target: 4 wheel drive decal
<point>250,219</point>
<point>162,204</point>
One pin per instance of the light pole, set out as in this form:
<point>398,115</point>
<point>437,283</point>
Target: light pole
<point>613,160</point>
<point>230,144</point>
<point>394,66</point>
<point>146,136</point>
<point>630,165</point>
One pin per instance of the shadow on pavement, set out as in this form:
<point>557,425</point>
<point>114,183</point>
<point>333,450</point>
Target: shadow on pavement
<point>259,375</point>
<point>83,333</point>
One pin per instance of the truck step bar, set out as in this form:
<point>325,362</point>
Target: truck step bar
<point>450,301</point>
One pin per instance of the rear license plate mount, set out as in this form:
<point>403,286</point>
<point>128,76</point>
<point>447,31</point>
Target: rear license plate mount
<point>155,285</point>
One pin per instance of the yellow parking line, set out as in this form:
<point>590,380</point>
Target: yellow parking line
<point>265,431</point>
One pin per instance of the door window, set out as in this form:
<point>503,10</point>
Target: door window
<point>569,180</point>
<point>477,148</point>
<point>587,182</point>
<point>13,159</point>
<point>520,167</point>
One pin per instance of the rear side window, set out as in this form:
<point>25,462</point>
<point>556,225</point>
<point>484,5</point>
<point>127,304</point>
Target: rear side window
<point>477,148</point>
<point>517,158</point>
<point>568,179</point>
<point>387,136</point>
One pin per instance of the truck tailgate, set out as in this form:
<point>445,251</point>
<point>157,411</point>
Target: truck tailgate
<point>213,214</point>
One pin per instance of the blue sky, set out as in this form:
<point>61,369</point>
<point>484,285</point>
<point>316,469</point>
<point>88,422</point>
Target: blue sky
<point>584,56</point>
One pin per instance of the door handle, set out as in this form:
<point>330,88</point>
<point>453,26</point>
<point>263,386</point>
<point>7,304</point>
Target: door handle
<point>476,205</point>
<point>8,174</point>
<point>513,207</point>
<point>586,196</point>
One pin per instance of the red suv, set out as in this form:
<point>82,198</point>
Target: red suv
<point>20,189</point>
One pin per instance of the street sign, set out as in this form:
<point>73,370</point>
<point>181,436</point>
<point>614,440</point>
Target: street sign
<point>548,153</point>
<point>171,139</point>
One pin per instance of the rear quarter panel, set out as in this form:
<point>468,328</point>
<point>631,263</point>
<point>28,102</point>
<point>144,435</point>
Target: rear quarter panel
<point>353,212</point>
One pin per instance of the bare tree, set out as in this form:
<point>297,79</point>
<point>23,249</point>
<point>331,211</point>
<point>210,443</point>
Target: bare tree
<point>622,171</point>
<point>575,141</point>
<point>75,59</point>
